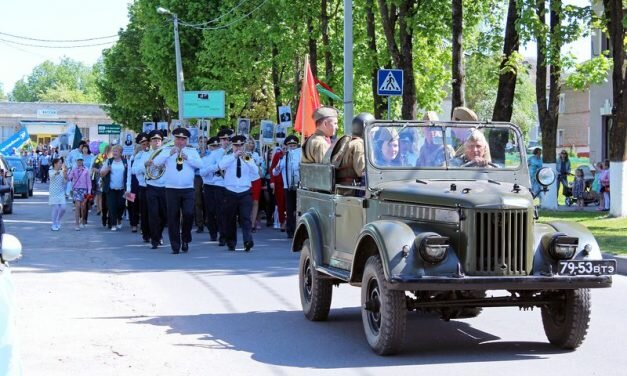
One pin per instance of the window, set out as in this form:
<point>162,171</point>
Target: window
<point>562,103</point>
<point>560,137</point>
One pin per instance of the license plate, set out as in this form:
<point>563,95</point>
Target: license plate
<point>583,267</point>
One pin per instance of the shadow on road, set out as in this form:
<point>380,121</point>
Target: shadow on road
<point>271,338</point>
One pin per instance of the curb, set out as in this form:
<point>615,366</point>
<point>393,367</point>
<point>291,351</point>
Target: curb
<point>621,263</point>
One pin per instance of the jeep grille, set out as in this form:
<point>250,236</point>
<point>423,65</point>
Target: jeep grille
<point>501,242</point>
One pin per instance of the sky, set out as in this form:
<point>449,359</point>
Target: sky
<point>60,19</point>
<point>81,19</point>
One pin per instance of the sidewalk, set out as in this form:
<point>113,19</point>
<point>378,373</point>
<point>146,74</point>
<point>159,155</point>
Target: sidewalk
<point>621,263</point>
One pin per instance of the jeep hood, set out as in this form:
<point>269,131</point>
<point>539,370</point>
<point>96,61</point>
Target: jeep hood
<point>465,193</point>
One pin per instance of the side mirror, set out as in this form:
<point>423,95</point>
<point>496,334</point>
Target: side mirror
<point>12,169</point>
<point>11,248</point>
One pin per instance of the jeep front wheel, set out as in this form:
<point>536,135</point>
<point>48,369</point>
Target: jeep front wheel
<point>315,291</point>
<point>566,322</point>
<point>383,311</point>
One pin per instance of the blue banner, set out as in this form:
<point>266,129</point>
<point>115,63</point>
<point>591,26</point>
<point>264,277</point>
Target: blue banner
<point>14,142</point>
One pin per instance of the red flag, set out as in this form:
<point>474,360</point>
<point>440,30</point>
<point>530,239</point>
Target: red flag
<point>309,102</point>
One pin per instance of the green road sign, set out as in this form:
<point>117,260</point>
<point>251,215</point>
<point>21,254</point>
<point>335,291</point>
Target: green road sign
<point>109,129</point>
<point>203,104</point>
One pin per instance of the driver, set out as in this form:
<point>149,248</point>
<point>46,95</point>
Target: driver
<point>476,151</point>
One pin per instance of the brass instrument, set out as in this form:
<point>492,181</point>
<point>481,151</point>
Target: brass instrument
<point>179,161</point>
<point>246,157</point>
<point>154,172</point>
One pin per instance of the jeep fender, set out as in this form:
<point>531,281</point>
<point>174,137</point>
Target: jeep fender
<point>543,262</point>
<point>308,227</point>
<point>388,239</point>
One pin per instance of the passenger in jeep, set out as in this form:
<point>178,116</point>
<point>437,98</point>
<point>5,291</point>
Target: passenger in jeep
<point>386,151</point>
<point>476,151</point>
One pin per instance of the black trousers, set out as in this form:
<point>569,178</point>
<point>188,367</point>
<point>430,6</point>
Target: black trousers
<point>199,207</point>
<point>180,204</point>
<point>237,205</point>
<point>157,214</point>
<point>115,202</point>
<point>104,210</point>
<point>133,207</point>
<point>212,196</point>
<point>290,208</point>
<point>44,173</point>
<point>143,211</point>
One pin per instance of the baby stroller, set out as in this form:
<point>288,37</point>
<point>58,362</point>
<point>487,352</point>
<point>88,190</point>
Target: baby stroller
<point>589,196</point>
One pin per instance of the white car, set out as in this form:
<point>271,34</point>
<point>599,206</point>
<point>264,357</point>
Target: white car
<point>9,357</point>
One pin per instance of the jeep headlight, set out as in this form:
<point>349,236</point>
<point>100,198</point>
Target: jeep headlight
<point>545,176</point>
<point>431,247</point>
<point>563,247</point>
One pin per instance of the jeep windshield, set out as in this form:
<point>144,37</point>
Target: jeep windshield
<point>443,146</point>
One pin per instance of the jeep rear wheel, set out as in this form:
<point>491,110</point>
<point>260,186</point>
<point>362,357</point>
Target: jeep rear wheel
<point>566,322</point>
<point>315,291</point>
<point>383,311</point>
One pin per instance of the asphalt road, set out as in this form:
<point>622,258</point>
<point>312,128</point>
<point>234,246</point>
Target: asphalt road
<point>100,303</point>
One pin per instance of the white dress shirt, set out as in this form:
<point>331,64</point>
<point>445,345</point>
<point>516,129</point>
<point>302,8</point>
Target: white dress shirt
<point>289,168</point>
<point>179,179</point>
<point>248,170</point>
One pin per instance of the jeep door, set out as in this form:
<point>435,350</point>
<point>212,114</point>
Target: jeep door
<point>349,220</point>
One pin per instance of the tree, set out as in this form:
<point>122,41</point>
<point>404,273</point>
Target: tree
<point>504,104</point>
<point>68,81</point>
<point>457,96</point>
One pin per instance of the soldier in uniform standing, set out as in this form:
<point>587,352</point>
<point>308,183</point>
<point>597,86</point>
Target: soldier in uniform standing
<point>155,192</point>
<point>353,163</point>
<point>212,177</point>
<point>138,169</point>
<point>289,168</point>
<point>180,163</point>
<point>238,202</point>
<point>326,125</point>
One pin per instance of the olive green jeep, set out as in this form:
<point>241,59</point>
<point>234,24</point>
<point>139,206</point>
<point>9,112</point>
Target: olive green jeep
<point>443,214</point>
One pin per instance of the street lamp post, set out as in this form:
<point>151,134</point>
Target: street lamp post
<point>180,81</point>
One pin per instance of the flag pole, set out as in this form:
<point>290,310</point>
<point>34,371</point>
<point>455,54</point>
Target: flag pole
<point>302,117</point>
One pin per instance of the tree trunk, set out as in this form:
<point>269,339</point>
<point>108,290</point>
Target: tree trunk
<point>324,25</point>
<point>378,102</point>
<point>457,96</point>
<point>402,57</point>
<point>618,135</point>
<point>313,48</point>
<point>504,105</point>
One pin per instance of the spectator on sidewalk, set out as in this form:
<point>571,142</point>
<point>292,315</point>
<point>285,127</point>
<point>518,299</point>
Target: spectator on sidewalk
<point>605,184</point>
<point>563,170</point>
<point>535,164</point>
<point>81,187</point>
<point>596,184</point>
<point>113,173</point>
<point>56,190</point>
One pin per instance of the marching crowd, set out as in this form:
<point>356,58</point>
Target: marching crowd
<point>224,183</point>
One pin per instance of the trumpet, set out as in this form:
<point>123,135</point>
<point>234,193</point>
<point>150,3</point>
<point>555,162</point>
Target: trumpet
<point>179,161</point>
<point>247,157</point>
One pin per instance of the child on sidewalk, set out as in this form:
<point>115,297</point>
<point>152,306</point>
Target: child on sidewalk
<point>579,187</point>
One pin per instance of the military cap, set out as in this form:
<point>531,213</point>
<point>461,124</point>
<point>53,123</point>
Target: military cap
<point>432,115</point>
<point>291,140</point>
<point>225,133</point>
<point>213,141</point>
<point>386,134</point>
<point>141,137</point>
<point>80,157</point>
<point>238,140</point>
<point>181,132</point>
<point>406,136</point>
<point>324,112</point>
<point>155,134</point>
<point>464,114</point>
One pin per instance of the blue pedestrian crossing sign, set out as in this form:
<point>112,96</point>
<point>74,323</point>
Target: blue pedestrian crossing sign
<point>390,82</point>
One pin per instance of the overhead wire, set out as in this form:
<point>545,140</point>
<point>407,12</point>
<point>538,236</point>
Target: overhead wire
<point>58,40</point>
<point>226,25</point>
<point>42,46</point>
<point>218,18</point>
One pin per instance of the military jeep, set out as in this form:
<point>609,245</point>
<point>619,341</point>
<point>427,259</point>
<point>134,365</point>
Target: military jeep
<point>432,227</point>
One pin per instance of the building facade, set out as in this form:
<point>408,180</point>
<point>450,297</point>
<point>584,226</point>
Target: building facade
<point>45,121</point>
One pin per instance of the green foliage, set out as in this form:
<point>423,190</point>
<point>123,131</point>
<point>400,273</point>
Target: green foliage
<point>592,72</point>
<point>68,81</point>
<point>3,96</point>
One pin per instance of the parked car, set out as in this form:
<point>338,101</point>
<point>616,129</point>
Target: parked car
<point>436,237</point>
<point>23,176</point>
<point>7,192</point>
